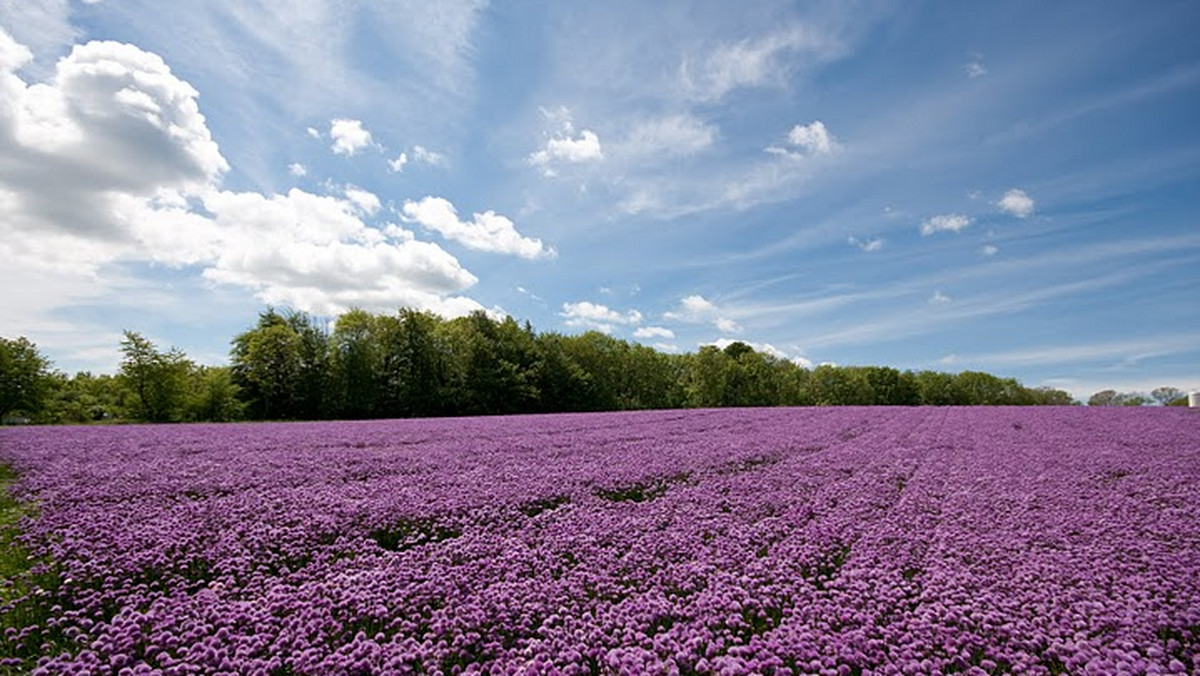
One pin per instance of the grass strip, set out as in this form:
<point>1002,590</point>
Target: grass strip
<point>27,590</point>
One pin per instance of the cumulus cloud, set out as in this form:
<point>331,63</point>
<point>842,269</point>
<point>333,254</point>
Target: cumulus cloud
<point>807,140</point>
<point>367,202</point>
<point>488,231</point>
<point>584,148</point>
<point>697,309</point>
<point>297,169</point>
<point>564,145</point>
<point>349,136</point>
<point>397,165</point>
<point>945,223</point>
<point>586,314</point>
<point>654,332</point>
<point>314,252</point>
<point>1017,203</point>
<point>693,308</point>
<point>113,122</point>
<point>110,161</point>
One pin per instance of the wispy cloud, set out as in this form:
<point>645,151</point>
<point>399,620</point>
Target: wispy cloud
<point>945,223</point>
<point>869,245</point>
<point>753,62</point>
<point>1120,351</point>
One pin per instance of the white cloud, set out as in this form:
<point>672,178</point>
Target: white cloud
<point>367,202</point>
<point>989,250</point>
<point>43,26</point>
<point>1124,352</point>
<point>564,146</point>
<point>348,136</point>
<point>752,63</point>
<point>488,231</point>
<point>671,136</point>
<point>807,140</point>
<point>697,309</point>
<point>590,315</point>
<point>297,169</point>
<point>584,148</point>
<point>109,162</point>
<point>814,138</point>
<point>939,298</point>
<point>423,155</point>
<point>945,223</point>
<point>113,125</point>
<point>654,332</point>
<point>314,253</point>
<point>693,308</point>
<point>726,325</point>
<point>974,69</point>
<point>874,244</point>
<point>765,348</point>
<point>397,165</point>
<point>314,132</point>
<point>1017,203</point>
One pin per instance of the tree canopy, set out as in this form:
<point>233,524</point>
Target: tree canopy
<point>293,366</point>
<point>24,376</point>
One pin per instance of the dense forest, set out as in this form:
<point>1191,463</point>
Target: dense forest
<point>293,366</point>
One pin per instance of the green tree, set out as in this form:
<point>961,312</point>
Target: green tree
<point>974,388</point>
<point>752,378</point>
<point>494,365</point>
<point>1104,398</point>
<point>25,377</point>
<point>1132,399</point>
<point>267,365</point>
<point>85,398</point>
<point>1165,395</point>
<point>1049,396</point>
<point>793,384</point>
<point>706,378</point>
<point>890,387</point>
<point>357,364</point>
<point>601,357</point>
<point>839,386</point>
<point>214,395</point>
<point>158,380</point>
<point>311,397</point>
<point>413,362</point>
<point>563,385</point>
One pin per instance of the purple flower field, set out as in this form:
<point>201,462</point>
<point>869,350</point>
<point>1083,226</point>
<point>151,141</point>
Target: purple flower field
<point>768,541</point>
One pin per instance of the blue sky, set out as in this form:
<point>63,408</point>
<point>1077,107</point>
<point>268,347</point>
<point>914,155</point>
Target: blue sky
<point>1008,187</point>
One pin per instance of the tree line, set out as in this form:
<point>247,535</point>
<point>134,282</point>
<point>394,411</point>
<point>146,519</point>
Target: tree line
<point>294,366</point>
